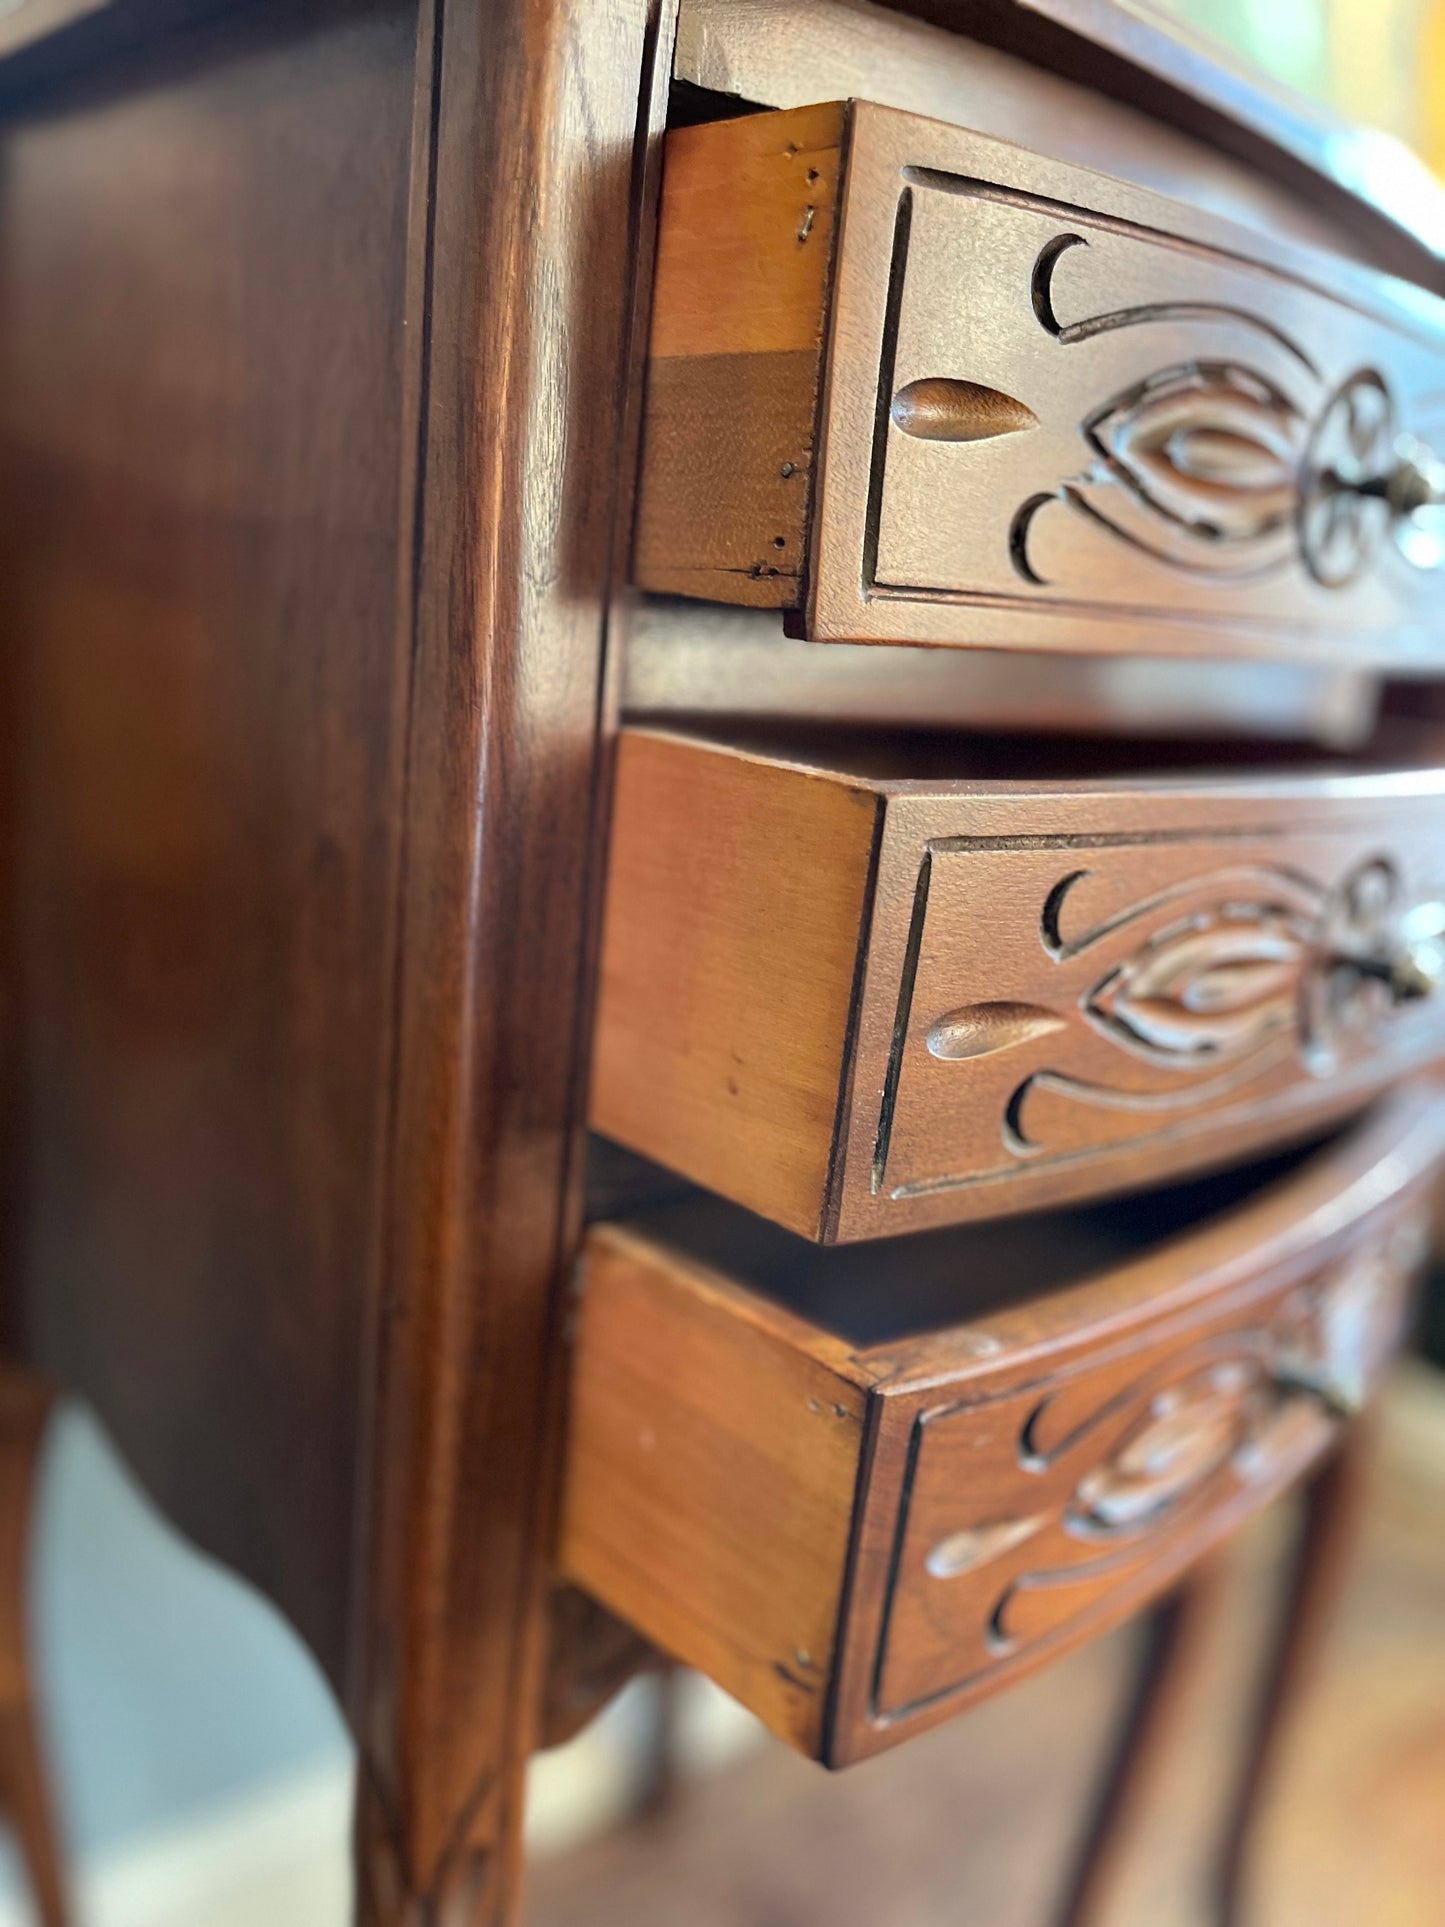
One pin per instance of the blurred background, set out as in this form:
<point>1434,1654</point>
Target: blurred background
<point>205,1778</point>
<point>1379,63</point>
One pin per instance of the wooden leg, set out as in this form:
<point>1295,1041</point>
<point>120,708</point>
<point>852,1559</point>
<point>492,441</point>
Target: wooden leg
<point>24,1788</point>
<point>1329,1529</point>
<point>1174,1635</point>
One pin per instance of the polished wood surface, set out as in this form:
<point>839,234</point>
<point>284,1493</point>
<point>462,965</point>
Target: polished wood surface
<point>201,551</point>
<point>1142,431</point>
<point>857,1539</point>
<point>305,609</point>
<point>542,123</point>
<point>862,1002</point>
<point>320,358</point>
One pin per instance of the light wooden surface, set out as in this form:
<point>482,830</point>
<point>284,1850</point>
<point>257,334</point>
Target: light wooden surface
<point>1152,431</point>
<point>1019,1480</point>
<point>709,1487</point>
<point>744,258</point>
<point>713,1047</point>
<point>862,1003</point>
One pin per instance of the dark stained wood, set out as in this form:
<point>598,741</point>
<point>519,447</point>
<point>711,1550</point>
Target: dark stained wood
<point>201,428</point>
<point>25,1787</point>
<point>312,432</point>
<point>538,113</point>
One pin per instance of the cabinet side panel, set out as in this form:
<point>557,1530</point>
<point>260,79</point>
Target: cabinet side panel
<point>202,286</point>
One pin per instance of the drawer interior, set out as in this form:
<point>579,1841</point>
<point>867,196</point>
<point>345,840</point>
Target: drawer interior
<point>894,1288</point>
<point>938,757</point>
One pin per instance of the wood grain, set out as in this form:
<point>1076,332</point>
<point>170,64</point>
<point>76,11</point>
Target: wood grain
<point>1009,1492</point>
<point>710,1481</point>
<point>701,1002</point>
<point>990,999</point>
<point>537,129</point>
<point>744,259</point>
<point>311,393</point>
<point>201,420</point>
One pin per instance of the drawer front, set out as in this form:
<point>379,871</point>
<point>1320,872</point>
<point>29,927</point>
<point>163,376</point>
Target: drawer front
<point>1133,995</point>
<point>1003,1525</point>
<point>863,1008</point>
<point>946,391</point>
<point>858,1542</point>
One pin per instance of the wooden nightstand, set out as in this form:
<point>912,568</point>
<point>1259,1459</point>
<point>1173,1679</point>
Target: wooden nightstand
<point>390,584</point>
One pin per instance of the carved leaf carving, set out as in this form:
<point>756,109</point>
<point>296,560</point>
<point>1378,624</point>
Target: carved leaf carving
<point>1214,987</point>
<point>1187,1434</point>
<point>1211,446</point>
<point>977,1029</point>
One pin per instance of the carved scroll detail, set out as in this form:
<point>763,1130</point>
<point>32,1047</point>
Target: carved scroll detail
<point>1220,992</point>
<point>1207,465</point>
<point>1231,1411</point>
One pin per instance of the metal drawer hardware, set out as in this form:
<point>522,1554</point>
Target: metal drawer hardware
<point>1414,492</point>
<point>1412,963</point>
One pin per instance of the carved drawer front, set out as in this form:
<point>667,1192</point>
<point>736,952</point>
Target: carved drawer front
<point>914,385</point>
<point>858,1538</point>
<point>862,1005</point>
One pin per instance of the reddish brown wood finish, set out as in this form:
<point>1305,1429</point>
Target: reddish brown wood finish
<point>532,253</point>
<point>313,343</point>
<point>857,1538</point>
<point>203,442</point>
<point>25,1792</point>
<point>311,379</point>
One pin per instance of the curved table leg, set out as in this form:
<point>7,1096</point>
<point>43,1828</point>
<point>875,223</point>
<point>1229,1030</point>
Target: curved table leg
<point>1333,1506</point>
<point>1175,1632</point>
<point>24,1786</point>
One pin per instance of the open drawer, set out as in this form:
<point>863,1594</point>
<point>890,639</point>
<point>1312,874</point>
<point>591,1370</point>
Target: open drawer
<point>867,992</point>
<point>911,384</point>
<point>789,1469</point>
